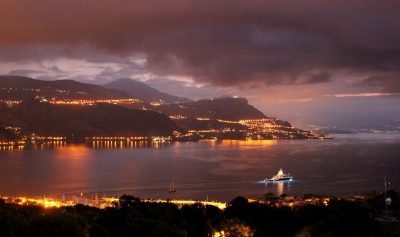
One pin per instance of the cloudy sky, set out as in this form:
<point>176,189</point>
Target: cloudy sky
<point>314,60</point>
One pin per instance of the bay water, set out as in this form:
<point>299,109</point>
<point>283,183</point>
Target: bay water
<point>213,170</point>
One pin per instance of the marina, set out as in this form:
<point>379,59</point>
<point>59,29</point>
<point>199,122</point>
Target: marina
<point>95,201</point>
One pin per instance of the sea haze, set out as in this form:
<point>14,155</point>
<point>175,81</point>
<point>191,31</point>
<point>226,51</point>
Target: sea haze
<point>219,170</point>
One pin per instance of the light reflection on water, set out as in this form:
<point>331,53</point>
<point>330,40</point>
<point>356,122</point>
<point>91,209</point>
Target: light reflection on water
<point>220,169</point>
<point>278,188</point>
<point>126,144</point>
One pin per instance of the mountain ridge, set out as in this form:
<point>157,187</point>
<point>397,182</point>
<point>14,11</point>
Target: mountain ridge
<point>20,88</point>
<point>143,92</point>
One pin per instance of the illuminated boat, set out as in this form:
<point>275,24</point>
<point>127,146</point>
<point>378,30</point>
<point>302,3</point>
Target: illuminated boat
<point>279,177</point>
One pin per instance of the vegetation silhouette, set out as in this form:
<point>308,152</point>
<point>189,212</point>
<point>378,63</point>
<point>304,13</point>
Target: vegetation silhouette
<point>132,216</point>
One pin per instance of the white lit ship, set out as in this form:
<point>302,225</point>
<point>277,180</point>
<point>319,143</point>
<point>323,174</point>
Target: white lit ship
<point>279,177</point>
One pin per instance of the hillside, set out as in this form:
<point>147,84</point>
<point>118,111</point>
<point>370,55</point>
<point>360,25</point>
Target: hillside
<point>20,88</point>
<point>75,110</point>
<point>142,91</point>
<point>233,109</point>
<point>78,121</point>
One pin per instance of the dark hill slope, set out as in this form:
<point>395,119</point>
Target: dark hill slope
<point>6,116</point>
<point>47,119</point>
<point>20,88</point>
<point>143,91</point>
<point>233,109</point>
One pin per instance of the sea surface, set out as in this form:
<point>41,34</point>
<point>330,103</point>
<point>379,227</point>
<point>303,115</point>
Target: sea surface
<point>213,170</point>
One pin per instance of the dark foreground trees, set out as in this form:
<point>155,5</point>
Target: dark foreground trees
<point>134,217</point>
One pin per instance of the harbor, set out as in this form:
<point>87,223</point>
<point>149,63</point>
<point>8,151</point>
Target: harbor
<point>98,202</point>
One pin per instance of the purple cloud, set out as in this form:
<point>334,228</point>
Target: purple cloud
<point>237,44</point>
